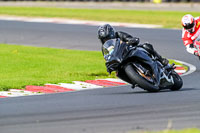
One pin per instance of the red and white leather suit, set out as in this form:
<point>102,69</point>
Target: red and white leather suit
<point>188,38</point>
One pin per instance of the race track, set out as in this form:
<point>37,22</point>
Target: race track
<point>107,110</point>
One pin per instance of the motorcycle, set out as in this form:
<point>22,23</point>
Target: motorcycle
<point>197,45</point>
<point>140,67</point>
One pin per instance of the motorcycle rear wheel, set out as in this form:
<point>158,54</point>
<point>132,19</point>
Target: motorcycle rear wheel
<point>136,78</point>
<point>178,82</point>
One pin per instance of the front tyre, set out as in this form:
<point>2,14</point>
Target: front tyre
<point>136,78</point>
<point>178,82</point>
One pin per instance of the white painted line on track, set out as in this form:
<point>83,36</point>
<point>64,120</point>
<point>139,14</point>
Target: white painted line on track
<point>79,22</point>
<point>114,80</point>
<point>180,71</point>
<point>86,85</point>
<point>16,93</point>
<point>72,86</point>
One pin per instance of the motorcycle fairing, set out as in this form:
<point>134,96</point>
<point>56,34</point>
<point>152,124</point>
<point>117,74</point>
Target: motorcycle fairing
<point>141,55</point>
<point>116,53</point>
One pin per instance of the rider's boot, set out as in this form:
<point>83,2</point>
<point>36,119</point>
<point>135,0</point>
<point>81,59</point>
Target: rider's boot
<point>162,60</point>
<point>150,49</point>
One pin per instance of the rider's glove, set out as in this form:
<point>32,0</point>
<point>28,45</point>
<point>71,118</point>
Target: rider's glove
<point>165,61</point>
<point>191,45</point>
<point>196,53</point>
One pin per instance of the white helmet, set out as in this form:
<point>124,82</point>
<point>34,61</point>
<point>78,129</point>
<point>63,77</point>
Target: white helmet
<point>188,22</point>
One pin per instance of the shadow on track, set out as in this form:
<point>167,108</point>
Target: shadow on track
<point>141,91</point>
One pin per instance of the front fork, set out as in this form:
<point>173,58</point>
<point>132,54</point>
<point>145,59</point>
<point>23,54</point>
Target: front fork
<point>166,78</point>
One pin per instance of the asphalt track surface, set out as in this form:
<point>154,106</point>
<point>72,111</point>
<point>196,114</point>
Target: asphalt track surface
<point>107,110</point>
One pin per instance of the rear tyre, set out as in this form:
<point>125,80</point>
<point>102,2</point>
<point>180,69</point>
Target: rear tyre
<point>178,82</point>
<point>136,78</point>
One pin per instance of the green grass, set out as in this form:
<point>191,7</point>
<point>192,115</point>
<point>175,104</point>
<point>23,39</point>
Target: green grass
<point>169,19</point>
<point>25,65</point>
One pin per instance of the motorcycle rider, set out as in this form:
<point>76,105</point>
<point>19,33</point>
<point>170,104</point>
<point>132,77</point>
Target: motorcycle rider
<point>190,31</point>
<point>107,32</point>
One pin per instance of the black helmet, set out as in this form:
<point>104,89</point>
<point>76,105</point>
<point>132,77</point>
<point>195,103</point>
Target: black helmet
<point>106,32</point>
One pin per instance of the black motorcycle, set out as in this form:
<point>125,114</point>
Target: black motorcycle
<point>140,67</point>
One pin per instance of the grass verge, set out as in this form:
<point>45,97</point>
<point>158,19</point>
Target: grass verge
<point>169,19</point>
<point>27,65</point>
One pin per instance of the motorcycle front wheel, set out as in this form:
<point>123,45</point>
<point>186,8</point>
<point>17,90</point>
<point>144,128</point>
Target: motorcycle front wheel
<point>178,82</point>
<point>135,77</point>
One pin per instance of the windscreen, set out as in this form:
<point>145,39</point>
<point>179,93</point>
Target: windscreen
<point>108,47</point>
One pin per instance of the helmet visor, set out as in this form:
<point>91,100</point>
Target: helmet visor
<point>189,26</point>
<point>191,30</point>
